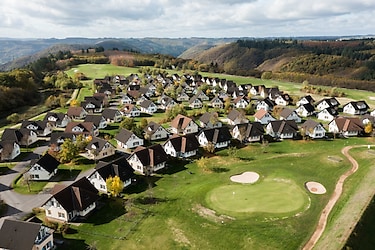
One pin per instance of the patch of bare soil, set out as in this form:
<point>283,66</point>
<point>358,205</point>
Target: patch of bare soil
<point>179,235</point>
<point>211,214</point>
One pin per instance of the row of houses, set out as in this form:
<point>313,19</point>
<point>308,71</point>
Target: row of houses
<point>181,139</point>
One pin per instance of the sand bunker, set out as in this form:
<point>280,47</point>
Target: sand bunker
<point>246,177</point>
<point>315,187</point>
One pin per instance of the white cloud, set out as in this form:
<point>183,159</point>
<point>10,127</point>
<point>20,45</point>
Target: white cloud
<point>186,18</point>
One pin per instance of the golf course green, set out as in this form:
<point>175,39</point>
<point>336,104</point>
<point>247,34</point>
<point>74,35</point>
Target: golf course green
<point>268,196</point>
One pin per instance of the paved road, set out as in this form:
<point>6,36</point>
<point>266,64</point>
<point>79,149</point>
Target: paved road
<point>20,204</point>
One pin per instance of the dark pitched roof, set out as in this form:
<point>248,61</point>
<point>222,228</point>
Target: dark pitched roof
<point>77,196</point>
<point>359,105</point>
<point>57,136</point>
<point>348,124</point>
<point>48,162</point>
<point>146,103</point>
<point>16,235</point>
<point>87,127</point>
<point>217,135</point>
<point>152,155</point>
<point>250,129</point>
<point>35,125</point>
<point>75,111</point>
<point>332,102</point>
<point>310,124</point>
<point>119,167</point>
<point>234,114</point>
<point>95,119</point>
<point>58,116</point>
<point>124,135</point>
<point>151,128</point>
<point>97,144</point>
<point>284,126</point>
<point>184,143</point>
<point>18,135</point>
<point>110,113</point>
<point>286,112</point>
<point>208,116</point>
<point>308,107</point>
<point>7,147</point>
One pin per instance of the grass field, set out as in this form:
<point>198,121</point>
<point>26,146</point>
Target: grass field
<point>268,196</point>
<point>177,211</point>
<point>186,204</point>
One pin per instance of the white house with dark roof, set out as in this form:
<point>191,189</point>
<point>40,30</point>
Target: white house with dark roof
<point>313,129</point>
<point>266,104</point>
<point>235,117</point>
<point>9,149</point>
<point>42,169</point>
<point>19,235</point>
<point>59,120</point>
<point>112,115</point>
<point>23,136</point>
<point>126,139</point>
<point>290,114</point>
<point>355,108</point>
<point>327,103</point>
<point>304,100</point>
<point>181,146</point>
<point>305,110</point>
<point>98,120</point>
<point>327,114</point>
<point>248,132</point>
<point>147,106</point>
<point>210,120</point>
<point>68,203</point>
<point>219,137</point>
<point>183,125</point>
<point>154,131</point>
<point>98,149</point>
<point>103,170</point>
<point>283,129</point>
<point>130,110</point>
<point>148,160</point>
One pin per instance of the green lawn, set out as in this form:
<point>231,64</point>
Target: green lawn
<point>178,208</point>
<point>268,196</point>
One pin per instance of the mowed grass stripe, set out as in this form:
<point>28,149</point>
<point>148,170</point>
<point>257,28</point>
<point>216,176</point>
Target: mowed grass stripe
<point>265,197</point>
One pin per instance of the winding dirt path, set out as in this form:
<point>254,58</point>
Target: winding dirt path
<point>332,201</point>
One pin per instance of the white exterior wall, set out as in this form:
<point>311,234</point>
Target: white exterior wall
<point>40,174</point>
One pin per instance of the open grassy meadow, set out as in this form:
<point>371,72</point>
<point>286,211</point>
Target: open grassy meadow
<point>190,207</point>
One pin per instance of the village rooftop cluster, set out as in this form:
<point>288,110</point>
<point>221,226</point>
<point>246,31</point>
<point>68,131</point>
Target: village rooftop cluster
<point>183,136</point>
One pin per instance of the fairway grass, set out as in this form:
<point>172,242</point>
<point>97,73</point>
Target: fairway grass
<point>269,196</point>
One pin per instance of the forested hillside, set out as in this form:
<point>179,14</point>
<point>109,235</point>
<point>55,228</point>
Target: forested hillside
<point>347,63</point>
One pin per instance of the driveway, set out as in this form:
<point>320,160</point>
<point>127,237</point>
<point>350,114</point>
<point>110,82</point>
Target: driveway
<point>20,204</point>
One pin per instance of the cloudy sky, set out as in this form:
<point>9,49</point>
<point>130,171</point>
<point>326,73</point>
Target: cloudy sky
<point>185,18</point>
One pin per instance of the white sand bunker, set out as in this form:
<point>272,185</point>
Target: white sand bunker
<point>315,187</point>
<point>246,177</point>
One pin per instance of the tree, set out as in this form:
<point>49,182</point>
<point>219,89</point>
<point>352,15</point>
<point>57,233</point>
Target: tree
<point>74,103</point>
<point>114,185</point>
<point>68,151</point>
<point>128,123</point>
<point>13,118</point>
<point>143,123</point>
<point>210,147</point>
<point>203,163</point>
<point>368,128</point>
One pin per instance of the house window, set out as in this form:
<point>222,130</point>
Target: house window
<point>49,212</point>
<point>135,143</point>
<point>61,215</point>
<point>102,186</point>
